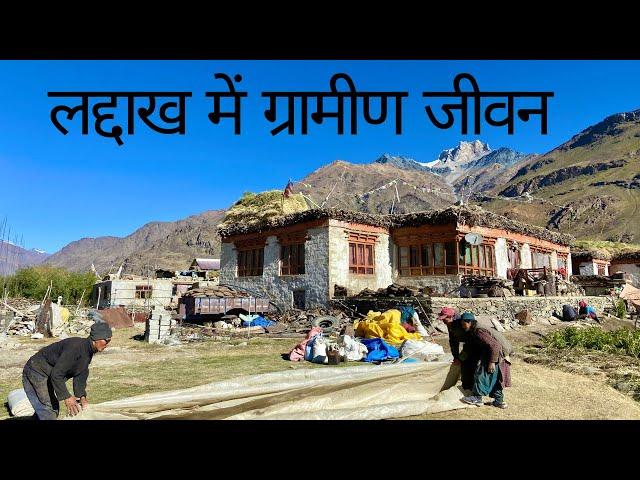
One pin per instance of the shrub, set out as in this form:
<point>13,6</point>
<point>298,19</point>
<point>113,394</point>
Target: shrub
<point>32,282</point>
<point>622,340</point>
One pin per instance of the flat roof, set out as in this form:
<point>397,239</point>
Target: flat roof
<point>466,215</point>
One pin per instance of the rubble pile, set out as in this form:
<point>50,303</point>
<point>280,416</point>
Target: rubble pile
<point>21,315</point>
<point>299,321</point>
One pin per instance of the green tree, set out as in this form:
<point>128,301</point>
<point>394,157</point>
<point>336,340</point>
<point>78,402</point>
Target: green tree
<point>32,282</point>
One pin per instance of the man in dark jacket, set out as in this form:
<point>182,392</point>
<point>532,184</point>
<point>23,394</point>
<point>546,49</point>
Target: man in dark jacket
<point>45,374</point>
<point>569,314</point>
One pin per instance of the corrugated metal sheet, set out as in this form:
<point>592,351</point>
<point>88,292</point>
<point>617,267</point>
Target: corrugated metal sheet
<point>116,317</point>
<point>208,263</point>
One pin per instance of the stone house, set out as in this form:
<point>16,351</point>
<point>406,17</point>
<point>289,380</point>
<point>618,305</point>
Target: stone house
<point>591,262</point>
<point>298,258</point>
<point>132,292</point>
<point>629,263</point>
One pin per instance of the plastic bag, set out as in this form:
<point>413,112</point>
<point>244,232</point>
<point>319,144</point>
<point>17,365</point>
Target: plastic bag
<point>319,354</point>
<point>418,325</point>
<point>19,404</point>
<point>354,351</point>
<point>419,349</point>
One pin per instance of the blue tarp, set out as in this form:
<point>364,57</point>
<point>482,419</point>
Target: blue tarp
<point>259,322</point>
<point>406,313</point>
<point>379,350</point>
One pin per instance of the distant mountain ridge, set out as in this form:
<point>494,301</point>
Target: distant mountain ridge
<point>14,257</point>
<point>170,245</point>
<point>589,186</point>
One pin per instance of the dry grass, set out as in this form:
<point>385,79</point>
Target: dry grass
<point>131,367</point>
<point>254,207</point>
<point>542,393</point>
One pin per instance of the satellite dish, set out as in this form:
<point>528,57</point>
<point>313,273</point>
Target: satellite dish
<point>473,238</point>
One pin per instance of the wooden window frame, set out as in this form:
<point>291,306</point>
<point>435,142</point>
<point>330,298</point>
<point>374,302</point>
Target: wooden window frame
<point>486,267</point>
<point>292,259</point>
<point>144,292</point>
<point>250,261</point>
<point>541,251</point>
<point>362,253</point>
<point>427,250</point>
<point>565,258</point>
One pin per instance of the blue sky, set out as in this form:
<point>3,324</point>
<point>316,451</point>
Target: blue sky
<point>56,189</point>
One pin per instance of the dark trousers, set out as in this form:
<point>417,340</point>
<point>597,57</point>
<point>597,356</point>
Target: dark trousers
<point>40,393</point>
<point>468,370</point>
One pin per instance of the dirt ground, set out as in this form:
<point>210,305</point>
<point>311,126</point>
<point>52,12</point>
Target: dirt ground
<point>543,387</point>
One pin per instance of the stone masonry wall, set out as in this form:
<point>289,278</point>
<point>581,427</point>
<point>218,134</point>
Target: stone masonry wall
<point>339,263</point>
<point>502,257</point>
<point>503,309</point>
<point>314,282</point>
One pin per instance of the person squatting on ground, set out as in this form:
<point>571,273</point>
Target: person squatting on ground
<point>569,313</point>
<point>493,372</point>
<point>587,311</point>
<point>45,374</point>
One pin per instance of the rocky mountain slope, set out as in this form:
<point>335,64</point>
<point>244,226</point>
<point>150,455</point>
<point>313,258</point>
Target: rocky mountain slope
<point>588,186</point>
<point>375,188</point>
<point>170,245</point>
<point>14,257</point>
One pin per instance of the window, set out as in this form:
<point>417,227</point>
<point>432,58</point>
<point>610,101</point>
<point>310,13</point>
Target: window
<point>476,259</point>
<point>292,259</point>
<point>601,269</point>
<point>143,291</point>
<point>250,262</point>
<point>361,258</point>
<point>427,259</point>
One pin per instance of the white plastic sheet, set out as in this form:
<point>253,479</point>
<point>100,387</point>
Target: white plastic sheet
<point>421,350</point>
<point>332,393</point>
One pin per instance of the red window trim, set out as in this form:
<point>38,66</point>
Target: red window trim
<point>362,258</point>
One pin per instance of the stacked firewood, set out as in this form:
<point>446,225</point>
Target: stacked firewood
<point>393,290</point>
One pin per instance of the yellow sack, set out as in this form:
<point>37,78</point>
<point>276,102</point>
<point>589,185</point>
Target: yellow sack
<point>390,316</point>
<point>64,314</point>
<point>386,326</point>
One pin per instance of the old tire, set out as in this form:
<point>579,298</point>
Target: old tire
<point>326,322</point>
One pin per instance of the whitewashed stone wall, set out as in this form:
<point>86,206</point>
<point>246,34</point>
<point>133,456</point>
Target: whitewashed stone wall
<point>123,292</point>
<point>525,256</point>
<point>502,257</point>
<point>314,282</point>
<point>569,266</point>
<point>588,268</point>
<point>626,268</point>
<point>339,263</point>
